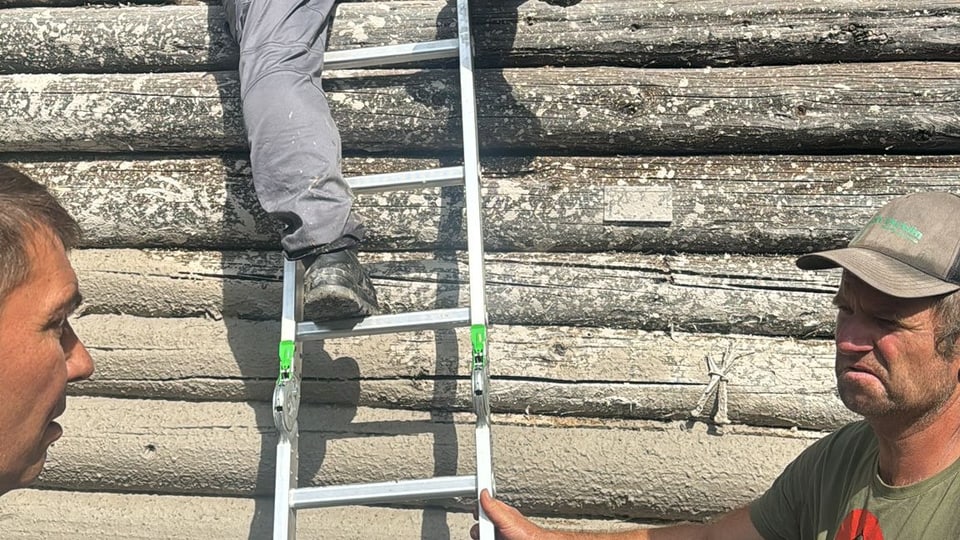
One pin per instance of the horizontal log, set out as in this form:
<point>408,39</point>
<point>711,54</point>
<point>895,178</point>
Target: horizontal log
<point>120,39</point>
<point>873,108</point>
<point>33,514</point>
<point>590,32</point>
<point>93,3</point>
<point>544,370</point>
<point>559,468</point>
<point>735,203</point>
<point>714,294</point>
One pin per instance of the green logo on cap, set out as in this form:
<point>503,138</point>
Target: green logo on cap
<point>903,230</point>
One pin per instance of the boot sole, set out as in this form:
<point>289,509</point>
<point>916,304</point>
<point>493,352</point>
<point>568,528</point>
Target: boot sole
<point>330,302</point>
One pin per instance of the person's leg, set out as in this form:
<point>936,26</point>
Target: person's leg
<point>295,148</point>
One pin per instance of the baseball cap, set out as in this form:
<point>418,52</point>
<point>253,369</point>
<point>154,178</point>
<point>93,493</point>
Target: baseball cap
<point>909,249</point>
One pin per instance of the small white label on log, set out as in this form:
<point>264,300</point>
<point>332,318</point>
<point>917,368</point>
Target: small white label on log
<point>633,204</point>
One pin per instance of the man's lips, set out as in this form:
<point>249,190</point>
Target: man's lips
<point>60,409</point>
<point>54,430</point>
<point>859,368</point>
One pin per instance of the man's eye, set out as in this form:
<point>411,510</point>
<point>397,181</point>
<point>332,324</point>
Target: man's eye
<point>58,325</point>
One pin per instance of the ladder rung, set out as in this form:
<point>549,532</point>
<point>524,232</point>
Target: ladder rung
<point>435,319</point>
<point>446,176</point>
<point>391,54</point>
<point>384,492</point>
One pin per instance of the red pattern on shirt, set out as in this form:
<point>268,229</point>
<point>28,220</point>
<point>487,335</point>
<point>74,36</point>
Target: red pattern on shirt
<point>860,522</point>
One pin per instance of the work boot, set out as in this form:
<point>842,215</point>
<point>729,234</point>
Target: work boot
<point>336,287</point>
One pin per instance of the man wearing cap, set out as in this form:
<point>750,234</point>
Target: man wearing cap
<point>895,474</point>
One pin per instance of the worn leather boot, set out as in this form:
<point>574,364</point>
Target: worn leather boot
<point>337,287</point>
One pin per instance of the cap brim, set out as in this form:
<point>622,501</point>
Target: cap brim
<point>880,271</point>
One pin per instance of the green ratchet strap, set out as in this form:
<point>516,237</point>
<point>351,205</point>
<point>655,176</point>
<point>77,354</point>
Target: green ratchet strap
<point>478,336</point>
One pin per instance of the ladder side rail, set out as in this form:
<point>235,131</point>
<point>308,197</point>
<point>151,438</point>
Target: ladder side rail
<point>471,167</point>
<point>284,515</point>
<point>478,308</point>
<point>286,403</point>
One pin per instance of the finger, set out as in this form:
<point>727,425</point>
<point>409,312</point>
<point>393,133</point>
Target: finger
<point>497,510</point>
<point>485,497</point>
<point>508,521</point>
<point>489,504</point>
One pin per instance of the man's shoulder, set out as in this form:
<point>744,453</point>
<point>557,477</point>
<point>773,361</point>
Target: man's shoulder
<point>851,443</point>
<point>814,483</point>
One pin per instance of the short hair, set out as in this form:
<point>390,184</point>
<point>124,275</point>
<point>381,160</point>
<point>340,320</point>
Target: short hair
<point>947,330</point>
<point>27,207</point>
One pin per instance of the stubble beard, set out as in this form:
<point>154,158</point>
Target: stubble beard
<point>895,405</point>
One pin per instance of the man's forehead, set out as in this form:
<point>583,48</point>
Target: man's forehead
<point>63,289</point>
<point>51,275</point>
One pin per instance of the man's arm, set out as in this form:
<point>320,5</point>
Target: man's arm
<point>511,525</point>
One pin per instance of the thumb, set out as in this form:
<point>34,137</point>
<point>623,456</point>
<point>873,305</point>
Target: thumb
<point>509,522</point>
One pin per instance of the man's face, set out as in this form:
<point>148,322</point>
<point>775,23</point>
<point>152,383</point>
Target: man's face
<point>887,365</point>
<point>39,354</point>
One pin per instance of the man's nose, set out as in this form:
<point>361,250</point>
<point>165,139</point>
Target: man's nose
<point>853,335</point>
<point>79,362</point>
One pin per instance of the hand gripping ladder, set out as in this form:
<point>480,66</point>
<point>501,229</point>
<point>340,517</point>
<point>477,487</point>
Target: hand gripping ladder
<point>286,398</point>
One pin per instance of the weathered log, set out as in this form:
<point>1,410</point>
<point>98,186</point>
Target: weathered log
<point>879,108</point>
<point>32,514</point>
<point>742,204</point>
<point>544,370</point>
<point>124,39</point>
<point>591,32</point>
<point>559,467</point>
<point>74,3</point>
<point>728,294</point>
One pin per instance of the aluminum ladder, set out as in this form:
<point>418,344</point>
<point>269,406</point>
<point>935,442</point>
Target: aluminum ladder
<point>289,498</point>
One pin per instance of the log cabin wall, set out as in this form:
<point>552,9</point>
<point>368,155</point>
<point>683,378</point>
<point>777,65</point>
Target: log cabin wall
<point>652,169</point>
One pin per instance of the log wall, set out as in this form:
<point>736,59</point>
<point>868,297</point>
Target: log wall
<point>651,171</point>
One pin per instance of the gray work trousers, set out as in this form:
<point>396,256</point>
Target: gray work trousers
<point>294,142</point>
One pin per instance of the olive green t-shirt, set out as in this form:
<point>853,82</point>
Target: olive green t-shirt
<point>832,492</point>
